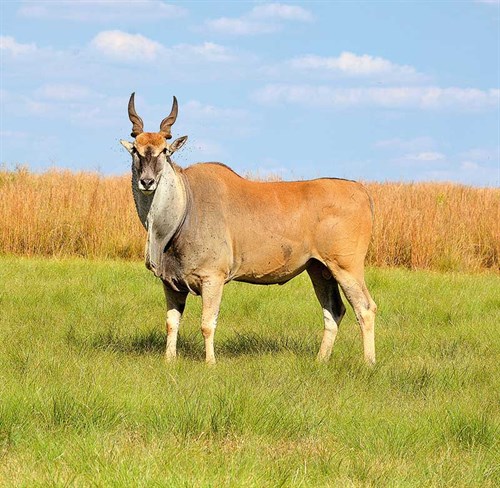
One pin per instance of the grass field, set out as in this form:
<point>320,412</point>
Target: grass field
<point>86,400</point>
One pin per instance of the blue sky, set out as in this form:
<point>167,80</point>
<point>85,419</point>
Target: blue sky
<point>397,91</point>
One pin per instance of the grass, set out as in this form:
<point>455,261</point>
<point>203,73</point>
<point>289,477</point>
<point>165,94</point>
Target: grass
<point>86,400</point>
<point>439,226</point>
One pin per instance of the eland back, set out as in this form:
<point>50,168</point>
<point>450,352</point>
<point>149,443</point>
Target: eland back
<point>206,226</point>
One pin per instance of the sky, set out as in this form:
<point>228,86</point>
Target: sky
<point>369,90</point>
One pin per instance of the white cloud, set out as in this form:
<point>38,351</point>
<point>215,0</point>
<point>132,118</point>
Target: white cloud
<point>481,154</point>
<point>469,166</point>
<point>436,166</point>
<point>62,71</point>
<point>468,174</point>
<point>208,51</point>
<point>424,156</point>
<point>262,19</point>
<point>30,147</point>
<point>240,27</point>
<point>9,45</point>
<point>351,64</point>
<point>413,145</point>
<point>197,110</point>
<point>404,97</point>
<point>63,92</point>
<point>13,135</point>
<point>281,11</point>
<point>101,11</point>
<point>422,161</point>
<point>479,166</point>
<point>72,104</point>
<point>203,119</point>
<point>126,47</point>
<point>122,46</point>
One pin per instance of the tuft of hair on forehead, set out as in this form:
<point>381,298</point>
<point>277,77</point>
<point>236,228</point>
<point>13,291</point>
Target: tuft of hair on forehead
<point>151,139</point>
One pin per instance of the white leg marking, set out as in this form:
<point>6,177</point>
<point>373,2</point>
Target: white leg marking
<point>175,306</point>
<point>211,298</point>
<point>364,308</point>
<point>329,335</point>
<point>173,322</point>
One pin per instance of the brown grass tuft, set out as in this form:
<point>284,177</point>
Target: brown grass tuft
<point>419,225</point>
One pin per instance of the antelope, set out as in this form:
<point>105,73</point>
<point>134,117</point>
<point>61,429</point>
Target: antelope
<point>206,226</point>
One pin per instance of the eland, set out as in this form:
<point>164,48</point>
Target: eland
<point>206,226</point>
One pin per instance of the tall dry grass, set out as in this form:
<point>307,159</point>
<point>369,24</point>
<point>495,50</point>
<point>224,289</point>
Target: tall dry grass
<point>441,226</point>
<point>419,225</point>
<point>60,213</point>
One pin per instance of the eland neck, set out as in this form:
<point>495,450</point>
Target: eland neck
<point>161,213</point>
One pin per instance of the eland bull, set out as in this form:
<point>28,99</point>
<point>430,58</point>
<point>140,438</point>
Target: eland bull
<point>206,226</point>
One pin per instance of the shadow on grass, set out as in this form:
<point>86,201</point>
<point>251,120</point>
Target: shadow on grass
<point>191,346</point>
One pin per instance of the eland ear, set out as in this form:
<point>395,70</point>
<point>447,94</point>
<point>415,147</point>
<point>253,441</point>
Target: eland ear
<point>127,145</point>
<point>177,144</point>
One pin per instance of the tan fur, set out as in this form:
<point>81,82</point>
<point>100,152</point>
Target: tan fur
<point>151,140</point>
<point>275,228</point>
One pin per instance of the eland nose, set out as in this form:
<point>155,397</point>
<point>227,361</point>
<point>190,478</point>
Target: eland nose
<point>147,183</point>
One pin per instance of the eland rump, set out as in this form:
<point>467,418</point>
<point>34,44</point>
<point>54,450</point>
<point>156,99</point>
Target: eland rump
<point>206,226</point>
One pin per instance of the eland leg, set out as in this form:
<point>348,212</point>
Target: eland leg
<point>328,294</point>
<point>176,303</point>
<point>211,295</point>
<point>353,285</point>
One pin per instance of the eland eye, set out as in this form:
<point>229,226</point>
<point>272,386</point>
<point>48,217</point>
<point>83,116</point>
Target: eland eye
<point>164,151</point>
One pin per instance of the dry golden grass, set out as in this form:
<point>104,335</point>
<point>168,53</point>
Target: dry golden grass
<point>420,225</point>
<point>60,213</point>
<point>441,226</point>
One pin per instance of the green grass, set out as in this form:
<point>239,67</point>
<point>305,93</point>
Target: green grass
<point>86,400</point>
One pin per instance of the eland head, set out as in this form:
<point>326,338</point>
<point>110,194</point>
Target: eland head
<point>150,151</point>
